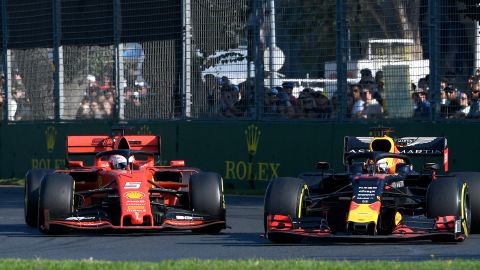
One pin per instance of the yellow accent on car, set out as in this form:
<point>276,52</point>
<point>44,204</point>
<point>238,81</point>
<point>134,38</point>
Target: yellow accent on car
<point>305,187</point>
<point>398,218</point>
<point>362,214</point>
<point>223,195</point>
<point>384,144</point>
<point>464,221</point>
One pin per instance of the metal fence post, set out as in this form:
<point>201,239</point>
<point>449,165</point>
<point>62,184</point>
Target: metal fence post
<point>341,56</point>
<point>187,61</point>
<point>56,56</point>
<point>433,55</point>
<point>258,58</point>
<point>117,28</point>
<point>5,61</point>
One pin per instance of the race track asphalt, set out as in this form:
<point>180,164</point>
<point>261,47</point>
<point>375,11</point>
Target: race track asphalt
<point>242,241</point>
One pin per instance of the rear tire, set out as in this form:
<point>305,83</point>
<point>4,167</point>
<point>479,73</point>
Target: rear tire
<point>473,181</point>
<point>284,196</point>
<point>206,197</point>
<point>449,196</point>
<point>56,196</point>
<point>33,178</point>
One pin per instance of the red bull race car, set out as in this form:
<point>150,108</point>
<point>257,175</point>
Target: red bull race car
<point>123,190</point>
<point>379,197</point>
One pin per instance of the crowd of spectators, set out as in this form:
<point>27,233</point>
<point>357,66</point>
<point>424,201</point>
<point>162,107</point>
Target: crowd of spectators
<point>98,101</point>
<point>365,100</point>
<point>139,101</point>
<point>19,105</point>
<point>454,102</point>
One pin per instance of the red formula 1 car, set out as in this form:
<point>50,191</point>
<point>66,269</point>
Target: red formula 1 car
<point>380,196</point>
<point>124,189</point>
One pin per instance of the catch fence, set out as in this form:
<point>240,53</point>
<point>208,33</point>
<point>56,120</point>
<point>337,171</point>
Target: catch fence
<point>288,60</point>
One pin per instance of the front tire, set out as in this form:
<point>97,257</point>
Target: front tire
<point>449,196</point>
<point>56,197</point>
<point>284,196</point>
<point>473,182</point>
<point>33,178</point>
<point>206,197</point>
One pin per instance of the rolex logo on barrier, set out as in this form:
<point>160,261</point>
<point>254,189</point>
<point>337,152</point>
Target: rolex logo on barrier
<point>250,169</point>
<point>50,135</point>
<point>252,135</point>
<point>47,161</point>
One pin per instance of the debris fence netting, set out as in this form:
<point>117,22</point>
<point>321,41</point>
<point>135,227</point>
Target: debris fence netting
<point>328,60</point>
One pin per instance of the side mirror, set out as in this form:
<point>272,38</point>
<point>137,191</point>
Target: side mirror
<point>323,165</point>
<point>431,166</point>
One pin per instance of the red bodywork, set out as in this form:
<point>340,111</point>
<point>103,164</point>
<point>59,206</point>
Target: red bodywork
<point>132,193</point>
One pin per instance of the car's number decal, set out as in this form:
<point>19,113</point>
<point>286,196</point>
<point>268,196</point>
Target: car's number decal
<point>132,185</point>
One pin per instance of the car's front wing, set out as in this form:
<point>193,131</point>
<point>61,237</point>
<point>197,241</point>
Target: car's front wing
<point>98,222</point>
<point>441,229</point>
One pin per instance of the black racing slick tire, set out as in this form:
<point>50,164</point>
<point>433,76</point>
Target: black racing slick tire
<point>33,178</point>
<point>473,181</point>
<point>284,196</point>
<point>206,197</point>
<point>55,200</point>
<point>449,196</point>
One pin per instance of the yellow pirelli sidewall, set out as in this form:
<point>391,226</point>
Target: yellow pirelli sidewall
<point>464,220</point>
<point>302,194</point>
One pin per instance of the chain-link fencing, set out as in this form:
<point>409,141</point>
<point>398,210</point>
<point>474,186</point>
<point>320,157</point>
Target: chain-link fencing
<point>328,60</point>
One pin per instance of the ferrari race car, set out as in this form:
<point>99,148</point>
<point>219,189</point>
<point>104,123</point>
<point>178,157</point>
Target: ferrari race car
<point>379,197</point>
<point>123,189</point>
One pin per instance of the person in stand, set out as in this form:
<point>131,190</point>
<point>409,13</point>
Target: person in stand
<point>422,105</point>
<point>371,108</point>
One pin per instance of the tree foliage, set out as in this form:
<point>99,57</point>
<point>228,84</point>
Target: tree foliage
<point>311,24</point>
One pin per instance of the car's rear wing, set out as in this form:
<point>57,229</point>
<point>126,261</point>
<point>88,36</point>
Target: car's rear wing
<point>93,144</point>
<point>410,146</point>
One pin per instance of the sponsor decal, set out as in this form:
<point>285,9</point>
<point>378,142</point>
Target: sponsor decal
<point>404,151</point>
<point>244,170</point>
<point>80,218</point>
<point>50,135</point>
<point>136,207</point>
<point>404,141</point>
<point>102,142</point>
<point>48,163</point>
<point>252,135</point>
<point>135,202</point>
<point>132,185</point>
<point>184,217</point>
<point>352,151</point>
<point>411,141</point>
<point>421,151</point>
<point>251,170</point>
<point>134,195</point>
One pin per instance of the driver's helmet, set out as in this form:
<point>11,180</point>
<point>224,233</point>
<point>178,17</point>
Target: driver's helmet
<point>382,165</point>
<point>118,162</point>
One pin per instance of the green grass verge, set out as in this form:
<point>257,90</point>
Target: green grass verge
<point>12,182</point>
<point>189,264</point>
